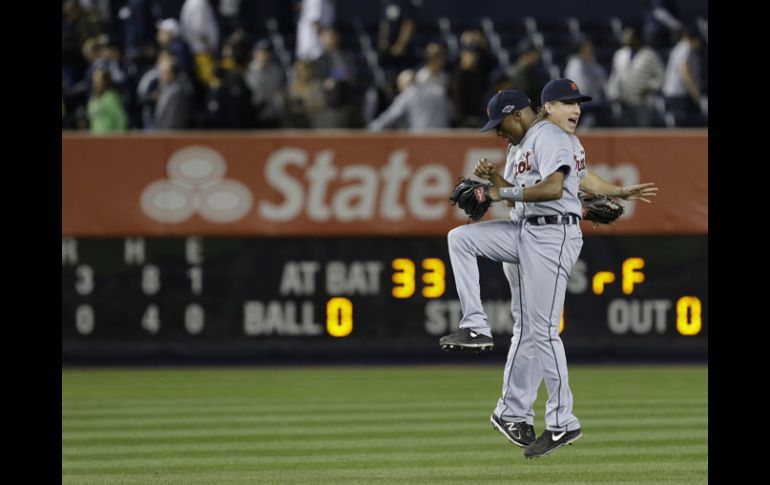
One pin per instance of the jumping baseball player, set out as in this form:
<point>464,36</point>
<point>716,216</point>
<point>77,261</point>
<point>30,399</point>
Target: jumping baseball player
<point>538,245</point>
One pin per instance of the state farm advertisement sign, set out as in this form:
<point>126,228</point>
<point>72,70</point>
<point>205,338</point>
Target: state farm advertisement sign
<point>342,184</point>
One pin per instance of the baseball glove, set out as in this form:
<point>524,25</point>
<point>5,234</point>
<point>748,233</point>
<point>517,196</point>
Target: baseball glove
<point>599,208</point>
<point>472,197</point>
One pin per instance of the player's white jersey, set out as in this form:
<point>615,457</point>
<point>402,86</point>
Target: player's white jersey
<point>544,149</point>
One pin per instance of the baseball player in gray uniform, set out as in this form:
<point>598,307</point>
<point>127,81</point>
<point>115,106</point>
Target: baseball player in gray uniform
<point>538,246</point>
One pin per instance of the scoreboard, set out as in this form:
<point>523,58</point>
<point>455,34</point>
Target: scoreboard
<point>222,299</point>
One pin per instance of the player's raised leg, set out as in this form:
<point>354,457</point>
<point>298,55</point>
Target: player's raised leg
<point>496,240</point>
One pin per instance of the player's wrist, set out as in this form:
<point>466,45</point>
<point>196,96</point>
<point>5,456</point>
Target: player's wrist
<point>515,194</point>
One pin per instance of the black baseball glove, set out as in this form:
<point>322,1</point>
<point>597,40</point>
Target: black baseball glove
<point>472,197</point>
<point>599,208</point>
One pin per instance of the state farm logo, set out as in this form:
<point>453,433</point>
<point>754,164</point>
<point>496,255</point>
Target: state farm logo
<point>196,183</point>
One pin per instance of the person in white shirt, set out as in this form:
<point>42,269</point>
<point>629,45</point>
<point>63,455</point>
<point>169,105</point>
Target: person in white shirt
<point>266,80</point>
<point>681,86</point>
<point>587,73</point>
<point>419,106</point>
<point>314,15</point>
<point>636,77</point>
<point>433,70</point>
<point>198,26</point>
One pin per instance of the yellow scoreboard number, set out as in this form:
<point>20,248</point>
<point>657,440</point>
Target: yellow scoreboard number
<point>433,278</point>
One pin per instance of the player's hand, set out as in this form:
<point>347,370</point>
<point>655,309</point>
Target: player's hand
<point>484,169</point>
<point>639,192</point>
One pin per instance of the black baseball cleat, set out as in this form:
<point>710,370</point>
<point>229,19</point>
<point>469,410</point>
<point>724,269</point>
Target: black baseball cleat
<point>520,434</point>
<point>547,442</point>
<point>466,339</point>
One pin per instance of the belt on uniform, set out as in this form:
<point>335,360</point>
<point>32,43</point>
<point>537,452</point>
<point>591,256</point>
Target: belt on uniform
<point>541,220</point>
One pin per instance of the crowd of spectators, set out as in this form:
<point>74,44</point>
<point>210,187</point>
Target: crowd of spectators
<point>241,64</point>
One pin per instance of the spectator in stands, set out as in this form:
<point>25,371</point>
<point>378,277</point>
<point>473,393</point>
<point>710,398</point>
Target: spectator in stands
<point>173,110</point>
<point>105,107</point>
<point>110,57</point>
<point>81,22</point>
<point>265,80</point>
<point>529,74</point>
<point>468,84</point>
<point>635,79</point>
<point>587,73</point>
<point>228,15</point>
<point>148,91</point>
<point>236,51</point>
<point>433,70</point>
<point>139,18</point>
<point>419,106</point>
<point>228,104</point>
<point>304,97</point>
<point>92,47</point>
<point>168,38</point>
<point>77,88</point>
<point>333,62</point>
<point>681,85</point>
<point>336,70</point>
<point>198,26</point>
<point>339,106</point>
<point>474,39</point>
<point>396,34</point>
<point>78,25</point>
<point>396,52</point>
<point>661,25</point>
<point>314,15</point>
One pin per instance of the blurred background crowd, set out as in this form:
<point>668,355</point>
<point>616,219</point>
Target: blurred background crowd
<point>378,65</point>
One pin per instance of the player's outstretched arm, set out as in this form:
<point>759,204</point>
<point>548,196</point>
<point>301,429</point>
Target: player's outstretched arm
<point>639,192</point>
<point>596,185</point>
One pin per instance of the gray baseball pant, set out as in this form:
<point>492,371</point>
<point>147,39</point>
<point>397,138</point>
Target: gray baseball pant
<point>546,255</point>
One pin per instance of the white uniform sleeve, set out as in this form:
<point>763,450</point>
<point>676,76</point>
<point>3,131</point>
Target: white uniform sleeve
<point>553,149</point>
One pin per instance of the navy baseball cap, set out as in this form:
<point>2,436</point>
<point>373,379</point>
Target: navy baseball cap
<point>562,89</point>
<point>502,104</point>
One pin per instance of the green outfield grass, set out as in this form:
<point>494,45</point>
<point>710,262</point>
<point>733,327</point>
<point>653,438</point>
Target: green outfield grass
<point>372,425</point>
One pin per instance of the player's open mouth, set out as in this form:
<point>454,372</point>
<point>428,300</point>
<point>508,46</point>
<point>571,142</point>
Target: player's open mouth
<point>573,120</point>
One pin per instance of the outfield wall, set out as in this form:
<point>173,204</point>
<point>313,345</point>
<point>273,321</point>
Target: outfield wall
<point>332,246</point>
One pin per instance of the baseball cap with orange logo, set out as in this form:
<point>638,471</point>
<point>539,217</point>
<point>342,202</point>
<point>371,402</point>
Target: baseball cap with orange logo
<point>502,104</point>
<point>562,89</point>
